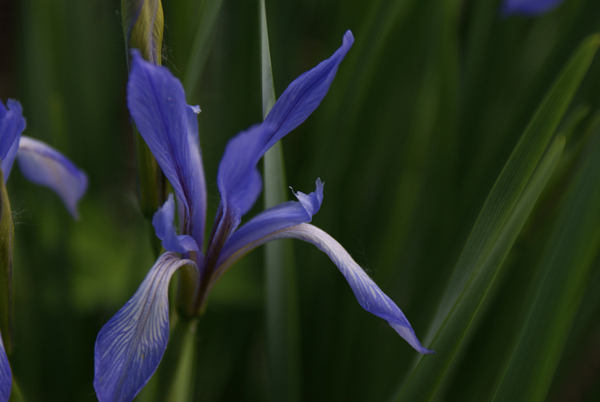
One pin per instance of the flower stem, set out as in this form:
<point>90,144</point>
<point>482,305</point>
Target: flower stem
<point>178,364</point>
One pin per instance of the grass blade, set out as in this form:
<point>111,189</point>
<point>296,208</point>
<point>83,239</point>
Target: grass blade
<point>281,303</point>
<point>557,291</point>
<point>500,220</point>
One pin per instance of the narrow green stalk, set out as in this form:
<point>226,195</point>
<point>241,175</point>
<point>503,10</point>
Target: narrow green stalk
<point>281,300</point>
<point>177,367</point>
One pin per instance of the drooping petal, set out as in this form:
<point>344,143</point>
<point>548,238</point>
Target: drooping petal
<point>368,294</point>
<point>165,231</point>
<point>528,7</point>
<point>297,102</point>
<point>5,374</point>
<point>12,124</point>
<point>43,165</point>
<point>130,346</point>
<point>157,104</point>
<point>279,217</point>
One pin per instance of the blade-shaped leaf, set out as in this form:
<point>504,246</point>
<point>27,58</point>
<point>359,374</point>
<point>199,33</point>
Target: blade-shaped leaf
<point>499,222</point>
<point>557,290</point>
<point>209,10</point>
<point>281,301</point>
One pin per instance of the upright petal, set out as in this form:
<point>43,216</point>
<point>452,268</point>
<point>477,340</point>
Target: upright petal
<point>165,231</point>
<point>237,178</point>
<point>368,294</point>
<point>12,124</point>
<point>157,104</point>
<point>5,375</point>
<point>305,93</point>
<point>528,7</point>
<point>130,346</point>
<point>43,165</point>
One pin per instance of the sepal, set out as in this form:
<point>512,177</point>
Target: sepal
<point>43,165</point>
<point>130,346</point>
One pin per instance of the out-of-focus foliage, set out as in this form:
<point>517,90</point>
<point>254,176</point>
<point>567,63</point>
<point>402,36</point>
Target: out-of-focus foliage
<point>416,129</point>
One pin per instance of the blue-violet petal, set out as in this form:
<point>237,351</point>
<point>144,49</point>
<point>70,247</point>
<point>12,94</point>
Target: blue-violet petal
<point>165,231</point>
<point>43,165</point>
<point>130,346</point>
<point>5,374</point>
<point>528,7</point>
<point>12,124</point>
<point>279,217</point>
<point>296,103</point>
<point>368,294</point>
<point>157,104</point>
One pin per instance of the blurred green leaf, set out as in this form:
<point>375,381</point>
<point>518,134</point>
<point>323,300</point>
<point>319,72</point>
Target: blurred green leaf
<point>556,292</point>
<point>209,10</point>
<point>500,221</point>
<point>280,284</point>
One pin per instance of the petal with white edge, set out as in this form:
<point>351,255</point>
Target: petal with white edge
<point>131,345</point>
<point>43,165</point>
<point>368,294</point>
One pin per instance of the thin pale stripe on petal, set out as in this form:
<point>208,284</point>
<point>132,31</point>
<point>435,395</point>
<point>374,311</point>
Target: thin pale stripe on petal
<point>130,346</point>
<point>43,165</point>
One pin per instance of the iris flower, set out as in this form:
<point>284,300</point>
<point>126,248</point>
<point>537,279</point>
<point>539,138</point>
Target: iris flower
<point>528,7</point>
<point>42,165</point>
<point>130,346</point>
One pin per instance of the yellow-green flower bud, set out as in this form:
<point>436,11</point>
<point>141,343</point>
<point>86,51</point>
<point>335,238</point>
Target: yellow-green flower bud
<point>143,24</point>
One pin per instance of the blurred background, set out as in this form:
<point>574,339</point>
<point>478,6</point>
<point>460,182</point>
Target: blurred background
<point>419,122</point>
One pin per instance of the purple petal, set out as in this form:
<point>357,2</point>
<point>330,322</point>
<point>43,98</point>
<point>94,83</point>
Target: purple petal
<point>130,346</point>
<point>279,217</point>
<point>238,180</point>
<point>12,125</point>
<point>5,374</point>
<point>163,225</point>
<point>157,104</point>
<point>305,93</point>
<point>528,7</point>
<point>368,294</point>
<point>43,165</point>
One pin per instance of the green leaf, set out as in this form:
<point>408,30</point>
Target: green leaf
<point>6,260</point>
<point>209,10</point>
<point>557,290</point>
<point>500,221</point>
<point>281,303</point>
